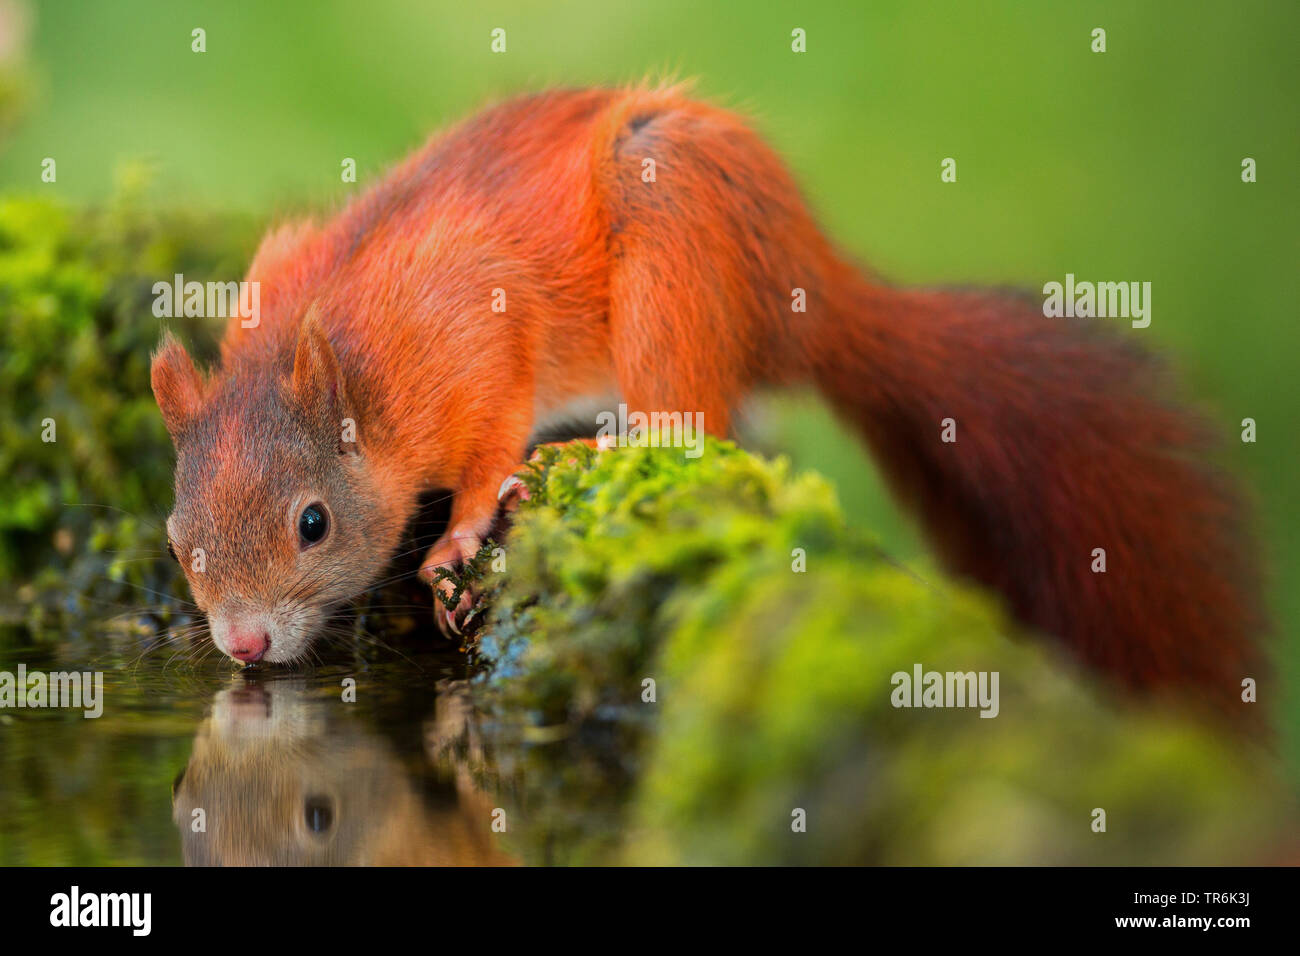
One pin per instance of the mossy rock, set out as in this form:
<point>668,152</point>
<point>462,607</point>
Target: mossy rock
<point>773,692</point>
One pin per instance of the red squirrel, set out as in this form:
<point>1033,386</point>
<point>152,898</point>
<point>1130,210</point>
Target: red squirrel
<point>673,291</point>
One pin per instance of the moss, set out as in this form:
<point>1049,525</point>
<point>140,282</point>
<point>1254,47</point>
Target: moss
<point>773,692</point>
<point>80,515</point>
<point>611,544</point>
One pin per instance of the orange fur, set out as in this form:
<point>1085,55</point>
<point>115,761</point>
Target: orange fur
<point>677,294</point>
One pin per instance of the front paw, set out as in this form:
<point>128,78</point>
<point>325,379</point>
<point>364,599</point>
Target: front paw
<point>455,563</point>
<point>453,614</point>
<point>450,569</point>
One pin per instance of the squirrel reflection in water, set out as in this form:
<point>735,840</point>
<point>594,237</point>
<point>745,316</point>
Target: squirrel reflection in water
<point>282,777</point>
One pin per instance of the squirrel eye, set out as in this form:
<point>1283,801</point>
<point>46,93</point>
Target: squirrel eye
<point>172,551</point>
<point>312,525</point>
<point>318,814</point>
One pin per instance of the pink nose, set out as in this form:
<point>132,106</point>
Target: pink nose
<point>248,645</point>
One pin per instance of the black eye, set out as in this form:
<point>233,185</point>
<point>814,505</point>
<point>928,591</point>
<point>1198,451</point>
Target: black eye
<point>318,814</point>
<point>172,552</point>
<point>312,524</point>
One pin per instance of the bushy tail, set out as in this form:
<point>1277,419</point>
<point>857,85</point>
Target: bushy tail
<point>1066,452</point>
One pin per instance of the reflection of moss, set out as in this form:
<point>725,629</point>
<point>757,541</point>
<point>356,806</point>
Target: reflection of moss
<point>80,515</point>
<point>773,691</point>
<point>90,795</point>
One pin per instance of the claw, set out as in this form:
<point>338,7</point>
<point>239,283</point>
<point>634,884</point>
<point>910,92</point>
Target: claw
<point>449,552</point>
<point>449,620</point>
<point>512,484</point>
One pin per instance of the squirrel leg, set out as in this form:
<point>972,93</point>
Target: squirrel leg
<point>672,366</point>
<point>473,512</point>
<point>467,535</point>
<point>475,505</point>
<point>455,548</point>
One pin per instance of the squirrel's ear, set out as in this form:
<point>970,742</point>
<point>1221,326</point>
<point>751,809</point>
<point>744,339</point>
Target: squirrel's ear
<point>177,385</point>
<point>318,384</point>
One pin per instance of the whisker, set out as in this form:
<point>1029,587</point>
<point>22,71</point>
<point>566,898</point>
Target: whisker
<point>129,514</point>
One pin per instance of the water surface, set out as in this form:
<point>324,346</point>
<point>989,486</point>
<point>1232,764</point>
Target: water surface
<point>371,757</point>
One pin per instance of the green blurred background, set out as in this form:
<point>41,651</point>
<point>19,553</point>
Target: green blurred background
<point>1122,165</point>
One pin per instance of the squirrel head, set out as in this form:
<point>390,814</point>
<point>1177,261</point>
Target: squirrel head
<point>279,513</point>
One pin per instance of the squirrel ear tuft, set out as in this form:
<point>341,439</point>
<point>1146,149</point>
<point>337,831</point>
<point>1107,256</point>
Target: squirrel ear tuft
<point>317,381</point>
<point>177,385</point>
